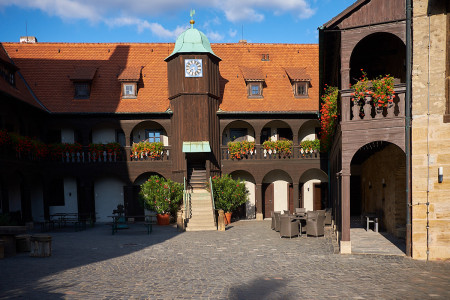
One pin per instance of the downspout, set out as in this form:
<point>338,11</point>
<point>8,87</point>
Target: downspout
<point>408,128</point>
<point>428,144</point>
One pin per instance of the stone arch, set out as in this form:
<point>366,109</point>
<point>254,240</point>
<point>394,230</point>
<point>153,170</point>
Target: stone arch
<point>278,129</point>
<point>313,187</point>
<point>308,130</point>
<point>144,176</point>
<point>241,125</point>
<point>105,132</point>
<point>379,54</point>
<point>141,129</point>
<point>277,191</point>
<point>250,184</point>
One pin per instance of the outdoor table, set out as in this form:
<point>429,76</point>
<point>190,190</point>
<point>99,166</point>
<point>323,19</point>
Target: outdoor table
<point>371,218</point>
<point>149,221</point>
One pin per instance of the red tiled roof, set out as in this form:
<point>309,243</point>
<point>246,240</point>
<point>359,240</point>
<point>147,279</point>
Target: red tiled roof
<point>252,74</point>
<point>297,74</point>
<point>47,68</point>
<point>20,90</point>
<point>83,73</point>
<point>130,74</point>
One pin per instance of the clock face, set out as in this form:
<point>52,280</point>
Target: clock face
<point>193,68</point>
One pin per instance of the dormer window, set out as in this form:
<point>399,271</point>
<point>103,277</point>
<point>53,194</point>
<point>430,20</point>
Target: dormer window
<point>7,71</point>
<point>129,78</point>
<point>82,90</point>
<point>300,88</point>
<point>254,89</point>
<point>300,80</point>
<point>82,78</point>
<point>254,79</point>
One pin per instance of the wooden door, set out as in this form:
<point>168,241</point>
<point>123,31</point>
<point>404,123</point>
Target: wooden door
<point>268,194</point>
<point>317,197</point>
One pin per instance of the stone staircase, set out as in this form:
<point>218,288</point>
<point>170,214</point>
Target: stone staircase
<point>202,213</point>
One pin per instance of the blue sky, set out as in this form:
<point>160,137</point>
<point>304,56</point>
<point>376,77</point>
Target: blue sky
<point>144,21</point>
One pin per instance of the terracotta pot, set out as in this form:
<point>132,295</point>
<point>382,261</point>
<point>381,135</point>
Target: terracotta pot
<point>163,219</point>
<point>227,218</point>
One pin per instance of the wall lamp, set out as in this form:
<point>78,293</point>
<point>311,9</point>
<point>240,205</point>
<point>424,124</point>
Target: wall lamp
<point>440,174</point>
<point>383,182</point>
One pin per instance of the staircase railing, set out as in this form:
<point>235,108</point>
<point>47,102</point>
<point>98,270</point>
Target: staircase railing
<point>186,201</point>
<point>212,193</point>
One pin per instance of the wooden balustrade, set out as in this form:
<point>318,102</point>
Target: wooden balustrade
<point>351,112</point>
<point>259,153</point>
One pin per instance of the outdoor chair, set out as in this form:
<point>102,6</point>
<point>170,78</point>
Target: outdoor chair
<point>288,227</point>
<point>315,224</point>
<point>277,215</point>
<point>286,212</point>
<point>272,214</point>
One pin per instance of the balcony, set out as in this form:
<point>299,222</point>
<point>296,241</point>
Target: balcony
<point>260,154</point>
<point>355,116</point>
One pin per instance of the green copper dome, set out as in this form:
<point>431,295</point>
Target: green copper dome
<point>192,41</point>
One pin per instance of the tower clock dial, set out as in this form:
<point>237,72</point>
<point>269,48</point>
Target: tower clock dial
<point>193,68</point>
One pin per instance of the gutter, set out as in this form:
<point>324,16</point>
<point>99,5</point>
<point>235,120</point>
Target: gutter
<point>314,112</point>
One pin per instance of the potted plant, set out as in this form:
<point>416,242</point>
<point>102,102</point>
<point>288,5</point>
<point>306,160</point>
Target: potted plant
<point>281,147</point>
<point>229,194</point>
<point>383,91</point>
<point>238,149</point>
<point>310,146</point>
<point>162,196</point>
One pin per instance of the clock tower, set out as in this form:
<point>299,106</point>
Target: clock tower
<point>194,93</point>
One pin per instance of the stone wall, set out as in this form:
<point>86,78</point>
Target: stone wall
<point>430,135</point>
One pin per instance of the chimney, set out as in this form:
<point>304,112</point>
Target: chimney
<point>28,39</point>
<point>242,41</point>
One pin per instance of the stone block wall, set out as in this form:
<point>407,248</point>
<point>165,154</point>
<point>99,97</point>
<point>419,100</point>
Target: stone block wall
<point>430,134</point>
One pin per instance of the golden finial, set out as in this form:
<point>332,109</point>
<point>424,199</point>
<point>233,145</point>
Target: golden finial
<point>192,17</point>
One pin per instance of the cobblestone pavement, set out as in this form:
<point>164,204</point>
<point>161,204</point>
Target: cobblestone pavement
<point>247,261</point>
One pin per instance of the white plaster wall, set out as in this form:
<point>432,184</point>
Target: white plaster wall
<point>37,203</point>
<point>70,198</point>
<point>308,193</point>
<point>103,135</point>
<point>280,181</point>
<point>307,133</point>
<point>280,195</point>
<point>67,136</point>
<point>108,194</point>
<point>14,197</point>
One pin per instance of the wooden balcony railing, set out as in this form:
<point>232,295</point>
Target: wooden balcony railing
<point>86,157</point>
<point>355,113</point>
<point>259,153</point>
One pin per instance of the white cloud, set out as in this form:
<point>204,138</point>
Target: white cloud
<point>156,28</point>
<point>232,33</point>
<point>133,12</point>
<point>214,36</point>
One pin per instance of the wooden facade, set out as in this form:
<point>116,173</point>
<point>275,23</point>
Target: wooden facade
<point>355,34</point>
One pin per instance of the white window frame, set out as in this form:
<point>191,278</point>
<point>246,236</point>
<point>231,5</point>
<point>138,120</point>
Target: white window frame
<point>133,93</point>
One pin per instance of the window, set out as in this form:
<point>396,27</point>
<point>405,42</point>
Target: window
<point>129,90</point>
<point>300,88</point>
<point>82,90</point>
<point>153,136</point>
<point>255,89</point>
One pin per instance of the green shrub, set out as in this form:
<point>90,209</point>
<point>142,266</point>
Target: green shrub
<point>161,195</point>
<point>229,194</point>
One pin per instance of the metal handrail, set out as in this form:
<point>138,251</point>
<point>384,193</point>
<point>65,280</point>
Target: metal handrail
<point>186,200</point>
<point>212,193</point>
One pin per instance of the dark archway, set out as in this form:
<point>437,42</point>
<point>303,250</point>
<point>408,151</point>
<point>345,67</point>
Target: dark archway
<point>379,54</point>
<point>378,184</point>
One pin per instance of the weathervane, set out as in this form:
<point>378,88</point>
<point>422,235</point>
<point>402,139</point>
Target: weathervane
<point>192,17</point>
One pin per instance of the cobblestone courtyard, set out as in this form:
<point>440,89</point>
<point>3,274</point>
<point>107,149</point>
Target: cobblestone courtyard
<point>248,261</point>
